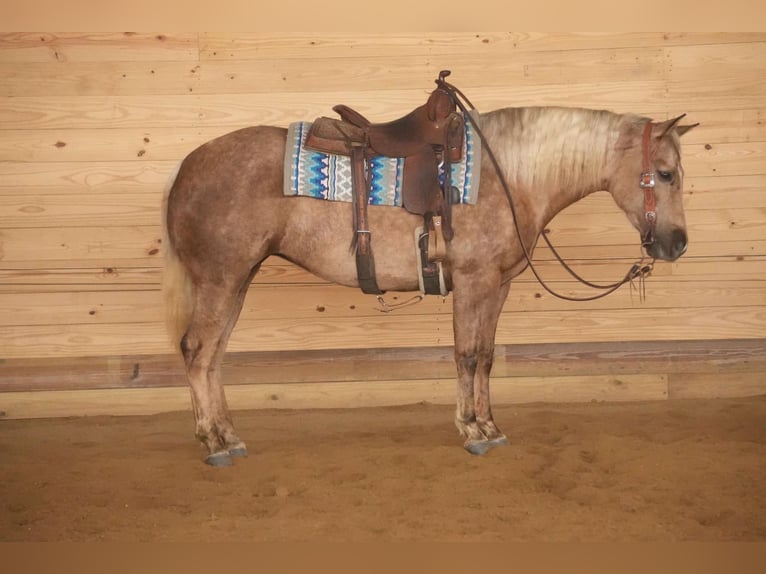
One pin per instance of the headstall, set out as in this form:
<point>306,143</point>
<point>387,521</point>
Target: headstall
<point>647,184</point>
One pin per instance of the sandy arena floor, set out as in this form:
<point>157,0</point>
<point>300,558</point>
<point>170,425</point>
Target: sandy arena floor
<point>659,471</point>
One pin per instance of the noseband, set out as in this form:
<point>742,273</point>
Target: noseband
<point>647,184</point>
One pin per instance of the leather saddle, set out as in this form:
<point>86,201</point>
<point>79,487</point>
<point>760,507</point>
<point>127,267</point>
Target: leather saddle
<point>430,139</point>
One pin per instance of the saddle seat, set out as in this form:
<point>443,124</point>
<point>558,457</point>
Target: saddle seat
<point>429,134</point>
<point>425,125</point>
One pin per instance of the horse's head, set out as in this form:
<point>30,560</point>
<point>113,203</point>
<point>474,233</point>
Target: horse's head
<point>647,183</point>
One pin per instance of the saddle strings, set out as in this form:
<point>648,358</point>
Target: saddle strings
<point>638,271</point>
<point>386,307</point>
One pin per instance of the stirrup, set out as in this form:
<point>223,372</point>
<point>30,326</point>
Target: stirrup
<point>430,273</point>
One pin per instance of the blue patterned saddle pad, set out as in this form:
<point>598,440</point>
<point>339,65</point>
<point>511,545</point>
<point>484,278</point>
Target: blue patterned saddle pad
<point>315,174</point>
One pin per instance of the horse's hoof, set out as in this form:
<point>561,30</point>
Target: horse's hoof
<point>481,447</point>
<point>238,450</point>
<point>218,459</point>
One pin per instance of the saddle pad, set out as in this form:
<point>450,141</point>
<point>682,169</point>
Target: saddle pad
<point>310,173</point>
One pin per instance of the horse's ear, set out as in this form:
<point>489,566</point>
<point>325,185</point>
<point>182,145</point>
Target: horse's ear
<point>664,128</point>
<point>681,130</point>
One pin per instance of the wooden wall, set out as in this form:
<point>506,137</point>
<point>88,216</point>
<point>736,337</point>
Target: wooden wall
<point>91,126</point>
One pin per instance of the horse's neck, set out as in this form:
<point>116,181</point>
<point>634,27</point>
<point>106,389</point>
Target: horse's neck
<point>554,156</point>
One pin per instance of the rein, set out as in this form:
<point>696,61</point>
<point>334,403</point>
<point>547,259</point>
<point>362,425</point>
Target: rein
<point>638,271</point>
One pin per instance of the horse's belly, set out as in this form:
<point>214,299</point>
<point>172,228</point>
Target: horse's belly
<point>319,238</point>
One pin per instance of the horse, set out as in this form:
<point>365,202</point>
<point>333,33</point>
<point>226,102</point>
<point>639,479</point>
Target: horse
<point>224,213</point>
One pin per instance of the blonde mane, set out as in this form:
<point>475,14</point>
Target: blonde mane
<point>553,148</point>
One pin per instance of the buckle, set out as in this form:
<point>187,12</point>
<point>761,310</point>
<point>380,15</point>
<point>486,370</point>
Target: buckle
<point>651,216</point>
<point>647,179</point>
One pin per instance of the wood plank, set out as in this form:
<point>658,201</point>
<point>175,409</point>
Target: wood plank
<point>407,71</point>
<point>109,144</point>
<point>67,307</point>
<point>702,63</point>
<point>357,394</point>
<point>97,47</point>
<point>695,270</point>
<point>722,358</point>
<point>738,93</point>
<point>100,78</point>
<point>99,112</point>
<point>704,192</point>
<point>63,210</point>
<point>390,331</point>
<point>38,279</point>
<point>726,126</point>
<point>63,308</point>
<point>85,176</point>
<point>103,244</point>
<point>227,46</point>
<point>725,159</point>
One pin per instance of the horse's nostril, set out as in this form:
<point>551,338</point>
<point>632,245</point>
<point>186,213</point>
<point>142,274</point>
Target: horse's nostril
<point>679,242</point>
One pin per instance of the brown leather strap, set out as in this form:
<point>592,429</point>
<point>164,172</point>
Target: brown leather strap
<point>365,264</point>
<point>437,246</point>
<point>647,176</point>
<point>647,185</point>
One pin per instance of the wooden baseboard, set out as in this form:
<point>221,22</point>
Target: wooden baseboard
<point>377,377</point>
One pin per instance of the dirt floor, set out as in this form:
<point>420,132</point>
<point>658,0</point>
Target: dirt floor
<point>659,471</point>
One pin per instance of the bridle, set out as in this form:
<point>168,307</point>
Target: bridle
<point>647,184</point>
<point>638,271</point>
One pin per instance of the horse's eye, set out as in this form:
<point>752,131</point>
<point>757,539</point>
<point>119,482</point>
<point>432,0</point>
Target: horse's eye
<point>666,176</point>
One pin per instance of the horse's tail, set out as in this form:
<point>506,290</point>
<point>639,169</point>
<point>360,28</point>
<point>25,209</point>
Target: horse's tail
<point>176,284</point>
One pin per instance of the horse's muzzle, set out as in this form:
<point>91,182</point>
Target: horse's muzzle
<point>668,247</point>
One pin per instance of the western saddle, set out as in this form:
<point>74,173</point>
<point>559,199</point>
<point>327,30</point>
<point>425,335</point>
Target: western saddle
<point>430,139</point>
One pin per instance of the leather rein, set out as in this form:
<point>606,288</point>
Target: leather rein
<point>638,271</point>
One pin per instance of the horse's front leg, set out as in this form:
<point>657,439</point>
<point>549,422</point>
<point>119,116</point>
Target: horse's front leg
<point>476,309</point>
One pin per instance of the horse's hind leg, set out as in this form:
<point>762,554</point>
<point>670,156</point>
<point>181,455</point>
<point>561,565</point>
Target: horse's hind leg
<point>477,305</point>
<point>217,309</point>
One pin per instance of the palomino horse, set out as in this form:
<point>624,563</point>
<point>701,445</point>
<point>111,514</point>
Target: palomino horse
<point>225,213</point>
